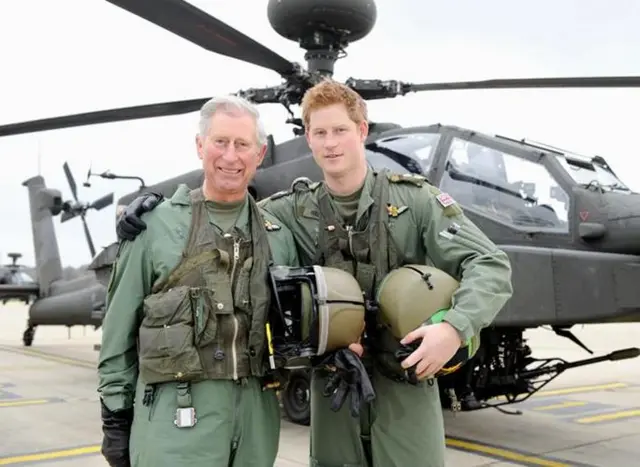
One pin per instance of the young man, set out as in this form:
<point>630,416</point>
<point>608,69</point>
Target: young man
<point>182,363</point>
<point>369,223</point>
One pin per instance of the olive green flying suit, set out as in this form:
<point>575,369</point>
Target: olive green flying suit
<point>404,423</point>
<point>235,418</point>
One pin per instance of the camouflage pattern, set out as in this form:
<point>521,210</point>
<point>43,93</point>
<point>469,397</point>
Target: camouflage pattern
<point>420,225</point>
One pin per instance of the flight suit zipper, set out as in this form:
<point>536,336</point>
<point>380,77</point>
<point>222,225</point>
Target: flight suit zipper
<point>350,238</point>
<point>234,352</point>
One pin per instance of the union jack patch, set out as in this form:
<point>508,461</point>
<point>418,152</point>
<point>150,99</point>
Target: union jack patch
<point>445,200</point>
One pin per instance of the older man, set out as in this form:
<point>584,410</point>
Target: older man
<point>182,367</point>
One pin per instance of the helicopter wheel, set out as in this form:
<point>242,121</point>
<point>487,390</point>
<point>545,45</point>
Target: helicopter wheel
<point>296,398</point>
<point>28,335</point>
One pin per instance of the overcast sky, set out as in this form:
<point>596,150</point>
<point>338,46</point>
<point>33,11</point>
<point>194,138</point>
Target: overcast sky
<point>73,56</point>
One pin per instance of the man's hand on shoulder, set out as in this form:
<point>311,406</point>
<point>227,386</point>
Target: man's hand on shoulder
<point>129,225</point>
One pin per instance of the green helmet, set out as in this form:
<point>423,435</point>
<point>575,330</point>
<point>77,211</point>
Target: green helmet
<point>314,310</point>
<point>414,295</point>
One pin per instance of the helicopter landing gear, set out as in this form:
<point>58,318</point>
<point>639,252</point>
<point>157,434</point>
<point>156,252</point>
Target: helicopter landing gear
<point>296,398</point>
<point>28,335</point>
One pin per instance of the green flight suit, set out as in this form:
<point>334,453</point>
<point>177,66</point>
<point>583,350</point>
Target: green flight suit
<point>238,423</point>
<point>405,422</point>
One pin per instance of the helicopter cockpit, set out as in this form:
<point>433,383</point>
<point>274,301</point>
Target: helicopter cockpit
<point>16,278</point>
<point>414,152</point>
<point>592,173</point>
<point>511,189</point>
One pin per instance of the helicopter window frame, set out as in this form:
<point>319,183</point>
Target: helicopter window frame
<point>383,146</point>
<point>520,200</point>
<point>574,164</point>
<point>378,161</point>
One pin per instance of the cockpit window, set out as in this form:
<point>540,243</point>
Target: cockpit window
<point>17,278</point>
<point>504,186</point>
<point>413,151</point>
<point>378,161</point>
<point>589,173</point>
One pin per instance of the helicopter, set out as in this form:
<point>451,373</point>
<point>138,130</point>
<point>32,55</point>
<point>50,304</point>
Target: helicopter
<point>563,218</point>
<point>20,285</point>
<point>54,300</point>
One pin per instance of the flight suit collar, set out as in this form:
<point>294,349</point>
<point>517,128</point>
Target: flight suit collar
<point>366,200</point>
<point>181,196</point>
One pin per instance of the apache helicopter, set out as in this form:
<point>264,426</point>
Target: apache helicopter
<point>56,301</point>
<point>22,286</point>
<point>564,219</point>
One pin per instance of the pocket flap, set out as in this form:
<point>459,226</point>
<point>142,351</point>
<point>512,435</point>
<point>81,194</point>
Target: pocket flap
<point>170,307</point>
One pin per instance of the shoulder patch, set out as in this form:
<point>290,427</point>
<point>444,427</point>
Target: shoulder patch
<point>450,206</point>
<point>303,184</point>
<point>270,226</point>
<point>300,184</point>
<point>415,179</point>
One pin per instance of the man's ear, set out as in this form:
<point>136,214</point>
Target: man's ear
<point>199,146</point>
<point>364,130</point>
<point>261,154</point>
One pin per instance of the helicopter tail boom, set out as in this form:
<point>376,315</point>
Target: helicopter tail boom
<point>43,204</point>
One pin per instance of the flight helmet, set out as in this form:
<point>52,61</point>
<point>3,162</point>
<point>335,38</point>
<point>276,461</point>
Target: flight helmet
<point>414,295</point>
<point>314,310</point>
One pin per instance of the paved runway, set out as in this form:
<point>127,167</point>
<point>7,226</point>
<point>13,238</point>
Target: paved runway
<point>587,417</point>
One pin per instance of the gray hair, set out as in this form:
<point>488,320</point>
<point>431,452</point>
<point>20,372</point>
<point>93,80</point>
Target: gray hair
<point>231,103</point>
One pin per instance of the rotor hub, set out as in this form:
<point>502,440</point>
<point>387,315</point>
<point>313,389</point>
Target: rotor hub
<point>324,28</point>
<point>14,257</point>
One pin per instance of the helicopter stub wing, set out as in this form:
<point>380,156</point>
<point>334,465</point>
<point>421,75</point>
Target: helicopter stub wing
<point>18,291</point>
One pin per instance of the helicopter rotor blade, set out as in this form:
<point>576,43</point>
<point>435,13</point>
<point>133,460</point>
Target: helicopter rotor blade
<point>162,109</point>
<point>92,249</point>
<point>195,25</point>
<point>71,180</point>
<point>528,83</point>
<point>102,202</point>
<point>371,89</point>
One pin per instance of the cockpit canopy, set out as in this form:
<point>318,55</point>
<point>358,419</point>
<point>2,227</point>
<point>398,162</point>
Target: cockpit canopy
<point>8,277</point>
<point>512,189</point>
<point>591,173</point>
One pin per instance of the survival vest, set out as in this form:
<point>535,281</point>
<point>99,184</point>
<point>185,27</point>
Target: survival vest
<point>367,251</point>
<point>207,319</point>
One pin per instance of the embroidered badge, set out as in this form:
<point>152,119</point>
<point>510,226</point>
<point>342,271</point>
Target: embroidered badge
<point>395,211</point>
<point>445,200</point>
<point>270,227</point>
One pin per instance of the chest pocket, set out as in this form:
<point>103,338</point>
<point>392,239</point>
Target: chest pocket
<point>405,233</point>
<point>175,322</point>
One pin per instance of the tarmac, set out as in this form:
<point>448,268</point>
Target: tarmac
<point>588,416</point>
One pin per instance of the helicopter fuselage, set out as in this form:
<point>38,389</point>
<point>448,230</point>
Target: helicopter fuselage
<point>572,262</point>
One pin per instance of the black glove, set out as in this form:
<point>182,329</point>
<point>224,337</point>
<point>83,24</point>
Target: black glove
<point>403,352</point>
<point>116,427</point>
<point>348,376</point>
<point>129,225</point>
